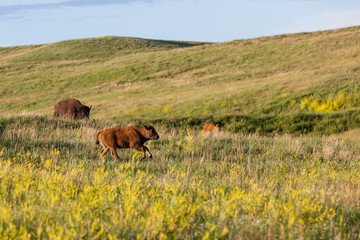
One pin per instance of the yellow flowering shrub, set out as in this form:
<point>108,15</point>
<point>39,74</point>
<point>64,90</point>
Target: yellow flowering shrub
<point>330,104</point>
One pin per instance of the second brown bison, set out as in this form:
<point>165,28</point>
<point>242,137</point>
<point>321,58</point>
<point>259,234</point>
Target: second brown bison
<point>209,127</point>
<point>71,108</point>
<point>126,137</point>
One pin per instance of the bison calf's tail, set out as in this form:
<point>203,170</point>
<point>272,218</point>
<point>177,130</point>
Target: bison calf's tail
<point>97,137</point>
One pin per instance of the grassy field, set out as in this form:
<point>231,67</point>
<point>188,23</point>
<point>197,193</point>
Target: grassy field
<point>53,185</point>
<point>286,166</point>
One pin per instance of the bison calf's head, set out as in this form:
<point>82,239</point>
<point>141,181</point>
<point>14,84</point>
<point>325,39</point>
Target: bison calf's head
<point>151,132</point>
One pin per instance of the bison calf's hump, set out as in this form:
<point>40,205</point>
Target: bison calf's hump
<point>71,108</point>
<point>126,137</point>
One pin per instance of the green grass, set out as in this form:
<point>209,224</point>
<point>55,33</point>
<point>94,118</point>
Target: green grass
<point>95,48</point>
<point>229,186</point>
<point>281,169</point>
<point>129,78</point>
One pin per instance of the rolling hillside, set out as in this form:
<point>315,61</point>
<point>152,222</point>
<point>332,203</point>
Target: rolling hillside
<point>297,83</point>
<point>223,185</point>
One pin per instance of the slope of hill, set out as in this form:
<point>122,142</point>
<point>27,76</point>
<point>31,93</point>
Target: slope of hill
<point>94,48</point>
<point>306,82</point>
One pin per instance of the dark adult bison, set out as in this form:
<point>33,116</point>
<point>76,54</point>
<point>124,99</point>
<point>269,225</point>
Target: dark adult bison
<point>71,108</point>
<point>208,127</point>
<point>126,137</point>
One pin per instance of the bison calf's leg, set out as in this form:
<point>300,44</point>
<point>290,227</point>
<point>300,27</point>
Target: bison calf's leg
<point>114,153</point>
<point>103,151</point>
<point>143,149</point>
<point>148,151</point>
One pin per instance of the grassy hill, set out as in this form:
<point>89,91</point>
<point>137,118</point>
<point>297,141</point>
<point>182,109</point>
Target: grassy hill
<point>54,185</point>
<point>297,83</point>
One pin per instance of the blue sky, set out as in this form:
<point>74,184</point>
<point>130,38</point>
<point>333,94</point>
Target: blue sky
<point>24,22</point>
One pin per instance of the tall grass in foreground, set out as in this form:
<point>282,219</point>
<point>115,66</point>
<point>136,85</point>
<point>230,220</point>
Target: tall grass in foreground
<point>53,185</point>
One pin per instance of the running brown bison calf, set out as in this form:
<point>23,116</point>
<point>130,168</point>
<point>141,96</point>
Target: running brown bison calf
<point>208,127</point>
<point>71,108</point>
<point>126,137</point>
